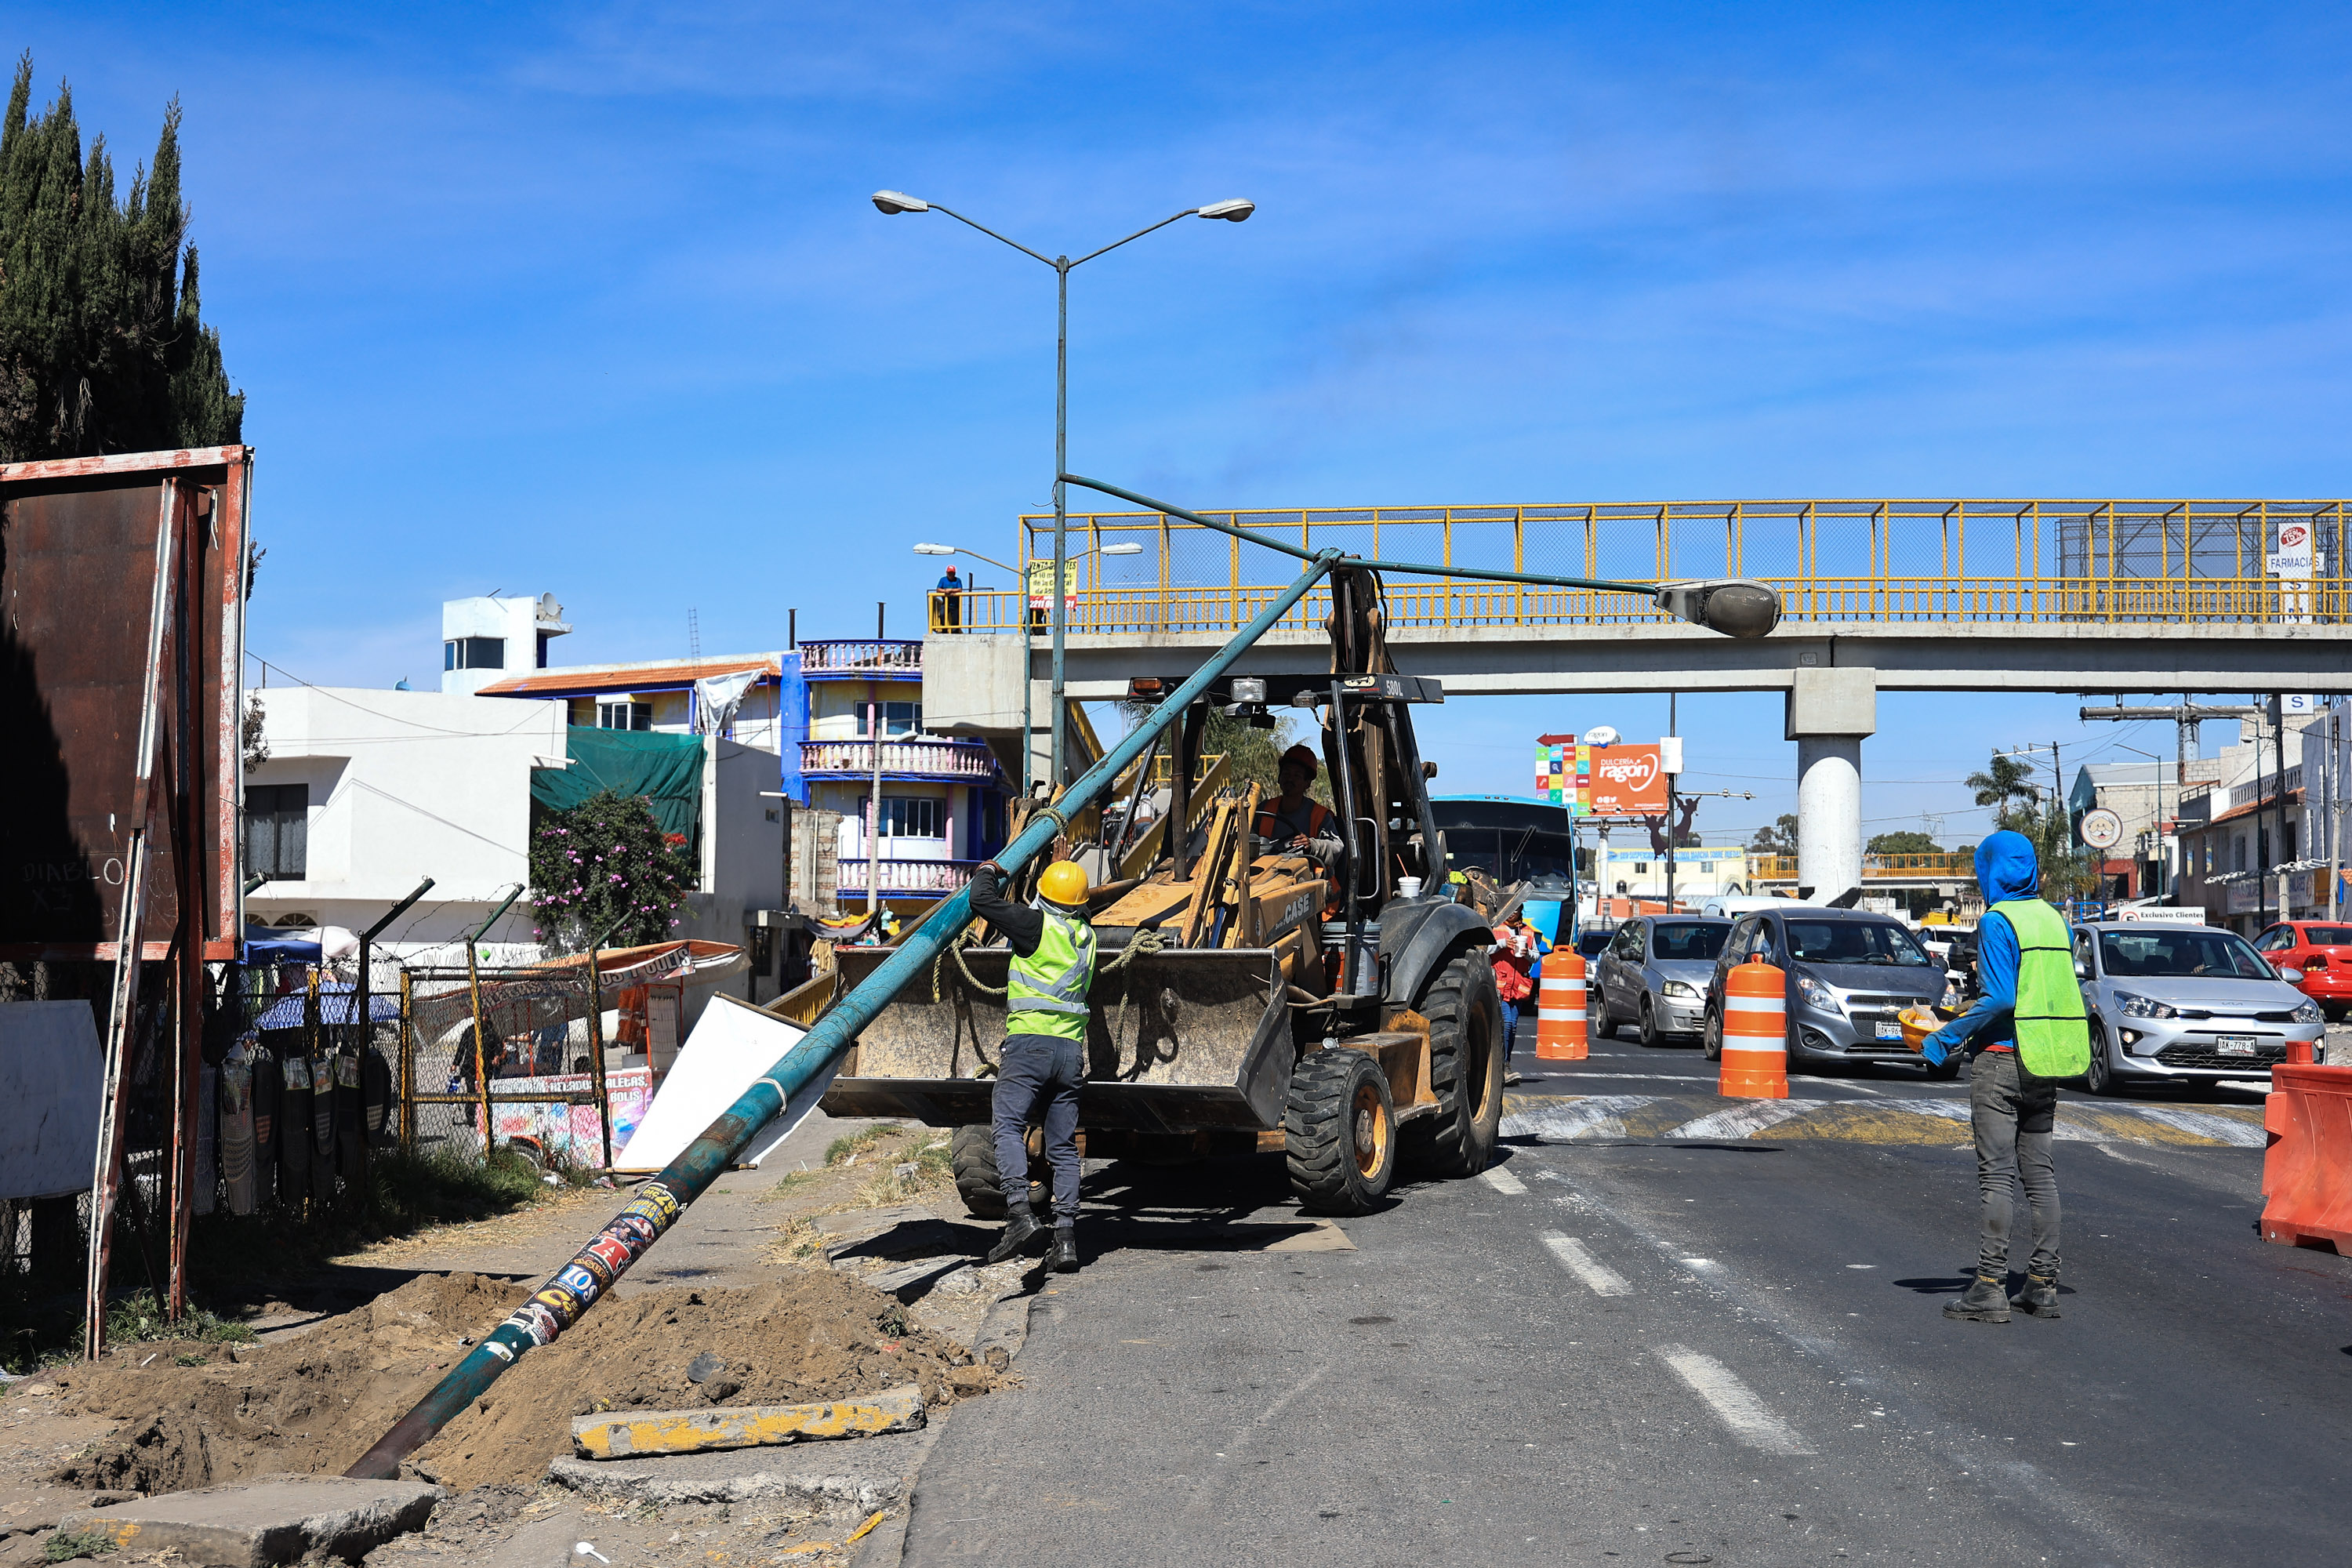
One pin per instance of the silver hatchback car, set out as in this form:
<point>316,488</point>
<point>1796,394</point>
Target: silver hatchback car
<point>2184,1004</point>
<point>1653,973</point>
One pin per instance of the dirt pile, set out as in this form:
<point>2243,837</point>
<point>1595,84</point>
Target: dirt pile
<point>316,1403</point>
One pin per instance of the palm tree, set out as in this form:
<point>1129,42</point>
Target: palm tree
<point>2005,780</point>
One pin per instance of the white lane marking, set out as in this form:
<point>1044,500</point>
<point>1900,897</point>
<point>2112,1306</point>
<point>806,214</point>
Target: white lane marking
<point>1603,1279</point>
<point>2205,1124</point>
<point>1734,1402</point>
<point>1503,1182</point>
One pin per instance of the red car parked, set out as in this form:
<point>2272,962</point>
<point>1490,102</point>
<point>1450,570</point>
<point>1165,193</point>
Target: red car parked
<point>2324,953</point>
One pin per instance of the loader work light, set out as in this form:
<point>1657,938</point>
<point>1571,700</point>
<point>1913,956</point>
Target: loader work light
<point>1736,607</point>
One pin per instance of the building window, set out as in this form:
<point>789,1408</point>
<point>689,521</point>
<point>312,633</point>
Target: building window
<point>544,638</point>
<point>910,816</point>
<point>2293,834</point>
<point>2239,850</point>
<point>474,653</point>
<point>625,715</point>
<point>277,831</point>
<point>899,720</point>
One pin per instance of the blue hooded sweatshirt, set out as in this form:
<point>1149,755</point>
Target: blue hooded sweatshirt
<point>2006,868</point>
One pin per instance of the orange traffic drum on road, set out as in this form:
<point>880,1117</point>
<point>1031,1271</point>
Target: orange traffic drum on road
<point>1559,1007</point>
<point>1755,1034</point>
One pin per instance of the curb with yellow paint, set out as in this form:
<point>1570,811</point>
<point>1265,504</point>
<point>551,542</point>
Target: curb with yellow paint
<point>1568,1119</point>
<point>618,1436</point>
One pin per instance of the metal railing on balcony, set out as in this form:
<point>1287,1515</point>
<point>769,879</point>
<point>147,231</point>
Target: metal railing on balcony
<point>909,877</point>
<point>863,655</point>
<point>2052,561</point>
<point>920,758</point>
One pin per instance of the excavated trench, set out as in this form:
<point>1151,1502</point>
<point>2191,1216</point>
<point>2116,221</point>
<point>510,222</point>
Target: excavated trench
<point>314,1403</point>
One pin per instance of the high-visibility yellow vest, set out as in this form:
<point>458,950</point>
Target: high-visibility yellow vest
<point>1046,992</point>
<point>2053,1037</point>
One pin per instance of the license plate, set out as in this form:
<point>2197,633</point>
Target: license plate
<point>2235,1044</point>
<point>1889,1029</point>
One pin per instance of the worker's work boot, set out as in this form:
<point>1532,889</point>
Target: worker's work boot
<point>1986,1302</point>
<point>1063,1260</point>
<point>2040,1297</point>
<point>1021,1228</point>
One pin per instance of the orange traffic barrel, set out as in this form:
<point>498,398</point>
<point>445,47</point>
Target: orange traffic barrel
<point>1559,1007</point>
<point>1755,1034</point>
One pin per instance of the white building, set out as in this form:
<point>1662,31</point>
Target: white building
<point>366,792</point>
<point>488,639</point>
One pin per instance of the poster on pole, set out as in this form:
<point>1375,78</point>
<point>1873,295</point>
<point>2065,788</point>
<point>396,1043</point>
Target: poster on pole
<point>1624,779</point>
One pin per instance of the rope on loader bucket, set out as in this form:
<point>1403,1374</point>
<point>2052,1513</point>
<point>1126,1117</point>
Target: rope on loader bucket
<point>1144,943</point>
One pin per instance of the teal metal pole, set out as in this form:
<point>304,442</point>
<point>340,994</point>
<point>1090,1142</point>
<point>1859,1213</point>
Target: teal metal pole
<point>597,1267</point>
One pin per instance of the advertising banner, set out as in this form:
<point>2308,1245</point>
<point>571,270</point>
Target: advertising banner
<point>1626,779</point>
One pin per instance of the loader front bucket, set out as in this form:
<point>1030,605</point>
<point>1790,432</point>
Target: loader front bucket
<point>1180,1041</point>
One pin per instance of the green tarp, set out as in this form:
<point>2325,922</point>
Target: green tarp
<point>665,769</point>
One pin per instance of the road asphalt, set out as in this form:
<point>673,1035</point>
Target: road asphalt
<point>1614,1348</point>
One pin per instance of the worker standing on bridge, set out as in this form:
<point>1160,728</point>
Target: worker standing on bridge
<point>2026,1031</point>
<point>1294,821</point>
<point>1044,1056</point>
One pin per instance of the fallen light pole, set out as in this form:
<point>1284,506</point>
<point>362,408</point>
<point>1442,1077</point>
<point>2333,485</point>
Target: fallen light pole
<point>1748,610</point>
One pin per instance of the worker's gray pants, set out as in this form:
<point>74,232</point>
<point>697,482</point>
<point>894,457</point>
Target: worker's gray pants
<point>2010,1111</point>
<point>1039,1068</point>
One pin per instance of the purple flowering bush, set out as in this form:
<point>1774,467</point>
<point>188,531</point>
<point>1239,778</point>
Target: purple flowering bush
<point>603,863</point>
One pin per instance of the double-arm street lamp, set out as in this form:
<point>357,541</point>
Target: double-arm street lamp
<point>892,203</point>
<point>1027,749</point>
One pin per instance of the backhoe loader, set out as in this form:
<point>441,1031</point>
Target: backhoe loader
<point>1246,997</point>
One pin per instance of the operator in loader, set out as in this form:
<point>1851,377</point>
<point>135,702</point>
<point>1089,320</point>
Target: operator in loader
<point>1044,1056</point>
<point>1293,821</point>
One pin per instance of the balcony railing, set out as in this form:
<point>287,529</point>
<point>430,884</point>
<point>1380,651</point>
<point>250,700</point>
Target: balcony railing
<point>866,656</point>
<point>905,876</point>
<point>928,759</point>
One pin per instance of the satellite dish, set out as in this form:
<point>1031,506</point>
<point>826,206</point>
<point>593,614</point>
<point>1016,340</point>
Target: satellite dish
<point>548,609</point>
<point>1602,736</point>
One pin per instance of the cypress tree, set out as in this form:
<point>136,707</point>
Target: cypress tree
<point>103,346</point>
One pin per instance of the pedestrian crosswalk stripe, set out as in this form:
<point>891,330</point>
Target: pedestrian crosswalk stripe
<point>1570,1118</point>
<point>1503,1182</point>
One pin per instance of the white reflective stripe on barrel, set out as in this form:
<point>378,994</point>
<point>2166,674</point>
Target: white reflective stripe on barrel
<point>1561,1014</point>
<point>1736,1004</point>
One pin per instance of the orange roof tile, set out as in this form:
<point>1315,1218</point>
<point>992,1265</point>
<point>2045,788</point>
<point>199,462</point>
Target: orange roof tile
<point>628,678</point>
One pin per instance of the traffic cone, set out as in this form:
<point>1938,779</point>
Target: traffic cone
<point>1559,1007</point>
<point>1755,1034</point>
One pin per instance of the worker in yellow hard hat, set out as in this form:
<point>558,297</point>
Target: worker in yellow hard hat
<point>1044,1058</point>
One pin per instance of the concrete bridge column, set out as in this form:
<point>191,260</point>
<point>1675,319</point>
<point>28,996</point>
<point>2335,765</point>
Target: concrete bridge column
<point>1831,710</point>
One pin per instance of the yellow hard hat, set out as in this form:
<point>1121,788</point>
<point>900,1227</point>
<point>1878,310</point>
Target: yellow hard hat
<point>1065,882</point>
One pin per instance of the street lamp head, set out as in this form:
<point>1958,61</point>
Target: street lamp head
<point>935,550</point>
<point>1736,607</point>
<point>1234,211</point>
<point>1129,548</point>
<point>900,202</point>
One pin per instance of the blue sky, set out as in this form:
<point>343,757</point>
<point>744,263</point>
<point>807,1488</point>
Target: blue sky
<point>589,299</point>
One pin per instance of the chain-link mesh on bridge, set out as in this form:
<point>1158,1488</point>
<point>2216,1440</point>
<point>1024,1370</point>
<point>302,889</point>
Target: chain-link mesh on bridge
<point>2089,561</point>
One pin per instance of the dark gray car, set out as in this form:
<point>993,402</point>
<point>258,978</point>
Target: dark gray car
<point>1848,974</point>
<point>1654,974</point>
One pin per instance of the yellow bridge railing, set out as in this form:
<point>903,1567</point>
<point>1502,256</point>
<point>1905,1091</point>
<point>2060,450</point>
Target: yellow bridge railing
<point>1783,868</point>
<point>2085,562</point>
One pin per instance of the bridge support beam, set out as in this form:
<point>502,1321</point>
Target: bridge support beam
<point>1830,712</point>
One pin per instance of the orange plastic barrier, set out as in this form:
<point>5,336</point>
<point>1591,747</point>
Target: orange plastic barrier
<point>2307,1169</point>
<point>1755,1034</point>
<point>1559,1007</point>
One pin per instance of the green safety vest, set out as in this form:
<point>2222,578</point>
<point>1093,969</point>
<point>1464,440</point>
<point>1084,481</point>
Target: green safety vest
<point>1046,992</point>
<point>2053,1038</point>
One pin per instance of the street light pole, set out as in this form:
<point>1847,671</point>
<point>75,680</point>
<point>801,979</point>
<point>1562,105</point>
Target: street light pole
<point>891,204</point>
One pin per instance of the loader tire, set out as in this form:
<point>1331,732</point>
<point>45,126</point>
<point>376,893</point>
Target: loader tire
<point>1340,1132</point>
<point>1465,1071</point>
<point>972,1150</point>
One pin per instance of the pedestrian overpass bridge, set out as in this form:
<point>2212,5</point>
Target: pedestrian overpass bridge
<point>1921,594</point>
